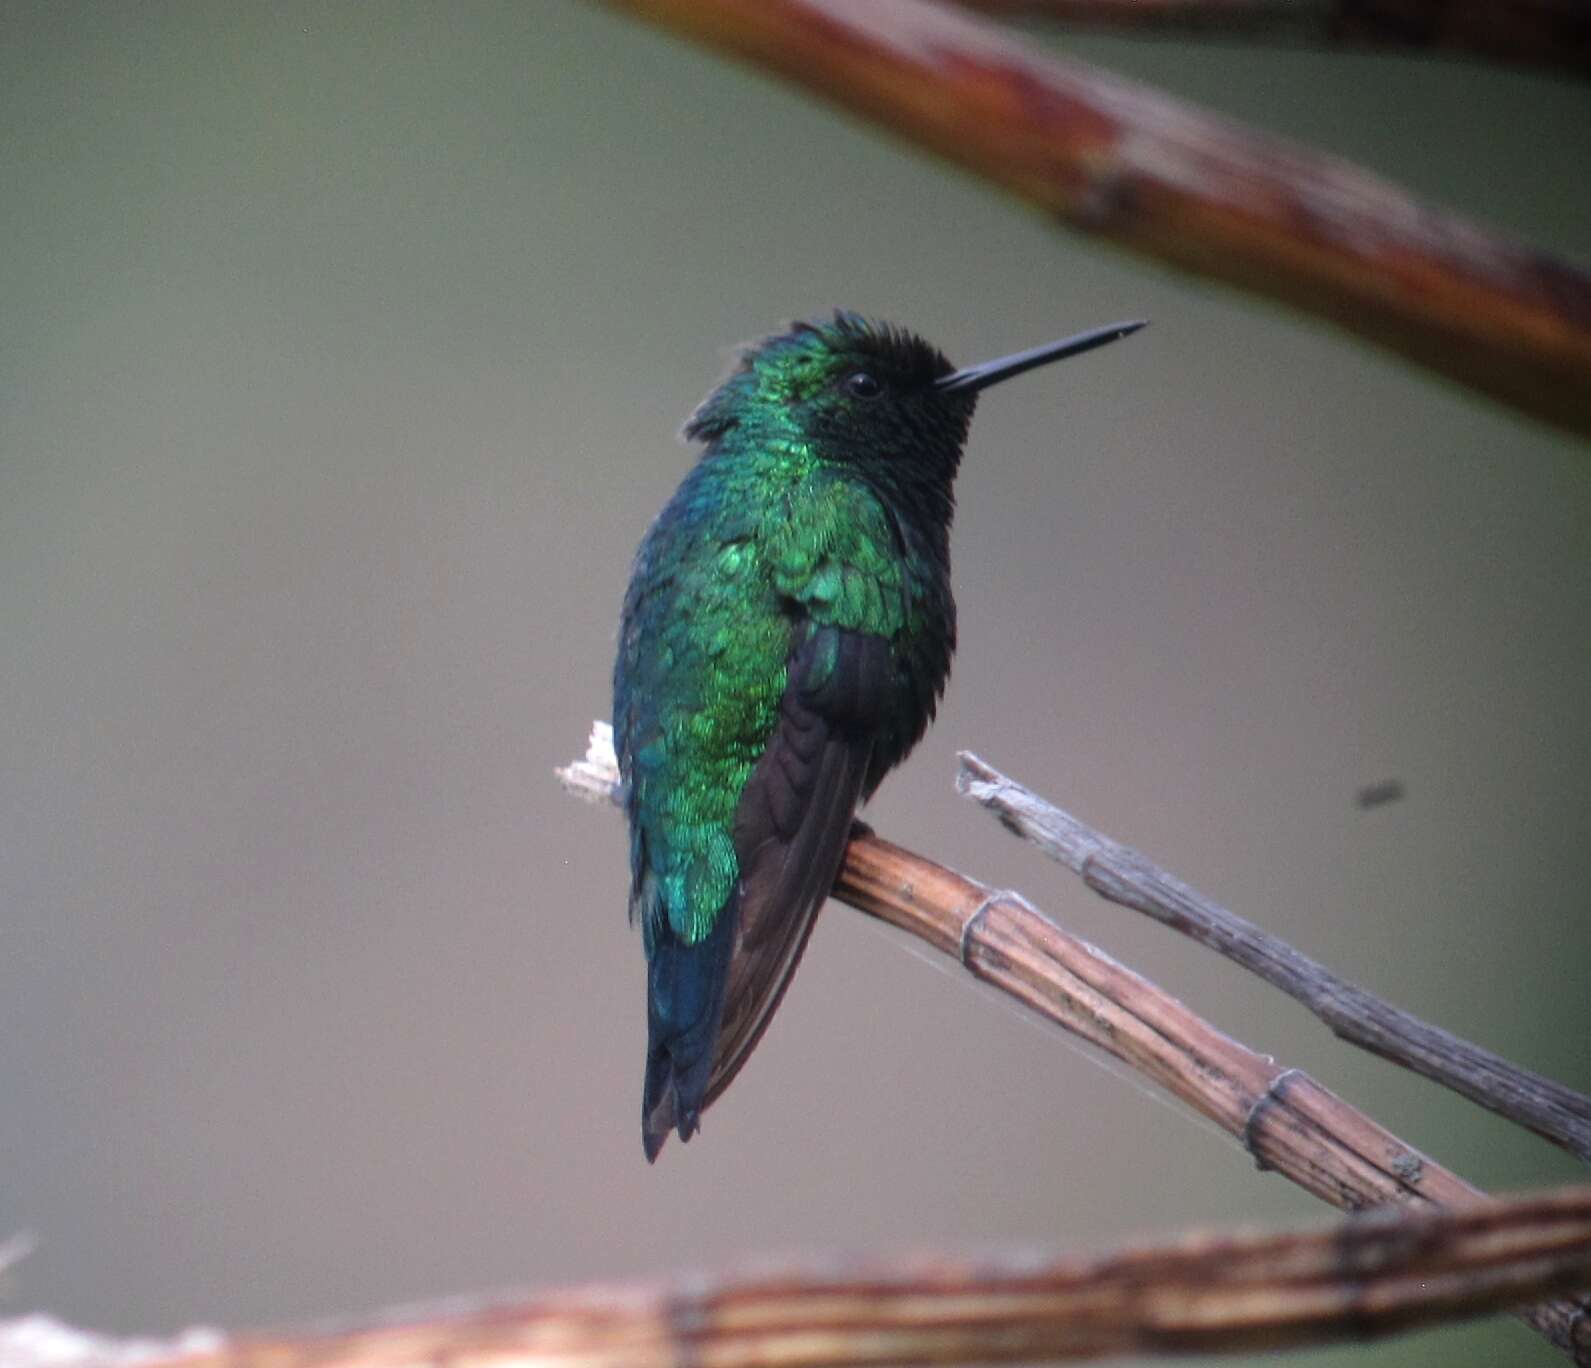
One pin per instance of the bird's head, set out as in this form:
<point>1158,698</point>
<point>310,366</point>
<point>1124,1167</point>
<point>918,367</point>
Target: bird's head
<point>860,392</point>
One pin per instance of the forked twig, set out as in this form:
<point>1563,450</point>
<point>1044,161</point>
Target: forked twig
<point>1121,875</point>
<point>1282,1116</point>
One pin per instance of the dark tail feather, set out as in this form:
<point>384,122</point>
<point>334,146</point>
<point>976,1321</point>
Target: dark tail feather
<point>685,1003</point>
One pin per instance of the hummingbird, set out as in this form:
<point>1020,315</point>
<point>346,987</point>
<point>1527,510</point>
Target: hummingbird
<point>784,642</point>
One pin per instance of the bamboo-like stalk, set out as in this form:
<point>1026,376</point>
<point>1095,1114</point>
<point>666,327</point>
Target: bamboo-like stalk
<point>1284,1118</point>
<point>1375,1275</point>
<point>1112,158</point>
<point>1554,34</point>
<point>1123,876</point>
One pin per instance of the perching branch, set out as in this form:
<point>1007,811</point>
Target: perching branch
<point>1121,875</point>
<point>1284,1118</point>
<point>1372,1276</point>
<point>1546,33</point>
<point>1164,179</point>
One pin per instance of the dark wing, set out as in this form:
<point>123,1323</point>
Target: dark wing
<point>711,1002</point>
<point>793,822</point>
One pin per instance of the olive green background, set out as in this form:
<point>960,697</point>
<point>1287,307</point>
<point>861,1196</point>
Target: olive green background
<point>342,350</point>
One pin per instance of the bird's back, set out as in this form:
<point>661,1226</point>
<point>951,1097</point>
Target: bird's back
<point>763,685</point>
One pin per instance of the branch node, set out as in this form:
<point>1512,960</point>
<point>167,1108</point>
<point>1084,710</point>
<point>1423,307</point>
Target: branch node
<point>995,895</point>
<point>1272,1096</point>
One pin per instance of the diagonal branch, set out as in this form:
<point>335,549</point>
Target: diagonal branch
<point>1372,1276</point>
<point>1113,158</point>
<point>1284,1118</point>
<point>1545,33</point>
<point>1121,875</point>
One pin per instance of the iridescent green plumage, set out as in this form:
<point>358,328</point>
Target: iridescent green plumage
<point>786,635</point>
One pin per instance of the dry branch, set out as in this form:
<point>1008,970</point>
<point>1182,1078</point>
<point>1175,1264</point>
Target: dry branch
<point>1109,157</point>
<point>1283,1117</point>
<point>1546,33</point>
<point>1372,1276</point>
<point>1121,875</point>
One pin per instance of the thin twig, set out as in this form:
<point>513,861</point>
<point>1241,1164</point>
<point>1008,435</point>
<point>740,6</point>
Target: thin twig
<point>1123,876</point>
<point>1372,1276</point>
<point>1547,33</point>
<point>1113,158</point>
<point>1284,1118</point>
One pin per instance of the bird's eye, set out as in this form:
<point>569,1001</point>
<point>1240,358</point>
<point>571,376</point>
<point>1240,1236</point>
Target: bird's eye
<point>863,385</point>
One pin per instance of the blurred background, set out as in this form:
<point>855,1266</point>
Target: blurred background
<point>341,356</point>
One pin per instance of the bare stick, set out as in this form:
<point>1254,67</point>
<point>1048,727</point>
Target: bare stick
<point>1121,875</point>
<point>1547,33</point>
<point>1370,1277</point>
<point>1283,1117</point>
<point>1113,158</point>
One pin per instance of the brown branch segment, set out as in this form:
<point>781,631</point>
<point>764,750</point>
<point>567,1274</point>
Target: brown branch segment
<point>1373,1276</point>
<point>1112,158</point>
<point>1282,1116</point>
<point>1122,876</point>
<point>1546,33</point>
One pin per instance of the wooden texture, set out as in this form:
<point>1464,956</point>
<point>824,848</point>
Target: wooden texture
<point>1372,1276</point>
<point>1123,876</point>
<point>1555,34</point>
<point>1285,1119</point>
<point>1108,157</point>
